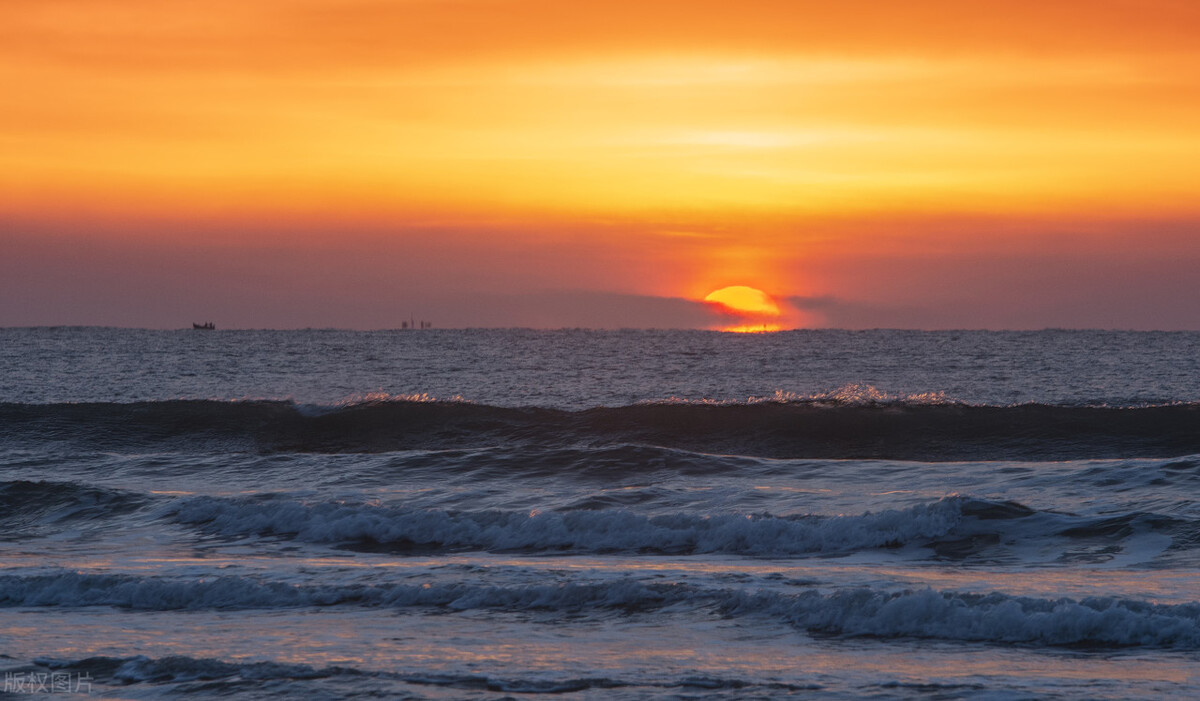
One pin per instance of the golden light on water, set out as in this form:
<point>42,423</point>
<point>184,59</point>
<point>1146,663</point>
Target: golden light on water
<point>752,328</point>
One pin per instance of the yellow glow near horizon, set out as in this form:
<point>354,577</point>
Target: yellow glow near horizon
<point>765,327</point>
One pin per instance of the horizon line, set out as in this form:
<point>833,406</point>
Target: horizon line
<point>398,329</point>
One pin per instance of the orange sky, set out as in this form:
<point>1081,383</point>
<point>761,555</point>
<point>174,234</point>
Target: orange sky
<point>496,162</point>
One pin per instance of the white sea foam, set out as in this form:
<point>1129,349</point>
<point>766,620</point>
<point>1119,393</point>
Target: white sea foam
<point>849,395</point>
<point>995,618</point>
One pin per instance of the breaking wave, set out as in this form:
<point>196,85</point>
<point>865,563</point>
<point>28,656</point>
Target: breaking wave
<point>953,527</point>
<point>610,530</point>
<point>853,612</point>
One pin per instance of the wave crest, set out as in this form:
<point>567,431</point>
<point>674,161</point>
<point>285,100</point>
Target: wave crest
<point>860,426</point>
<point>610,530</point>
<point>860,612</point>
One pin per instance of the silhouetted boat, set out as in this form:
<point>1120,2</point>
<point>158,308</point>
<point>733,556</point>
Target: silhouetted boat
<point>206,326</point>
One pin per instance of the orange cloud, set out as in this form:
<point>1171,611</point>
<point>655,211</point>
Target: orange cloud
<point>663,147</point>
<point>541,108</point>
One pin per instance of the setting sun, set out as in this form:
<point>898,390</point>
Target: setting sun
<point>753,308</point>
<point>744,300</point>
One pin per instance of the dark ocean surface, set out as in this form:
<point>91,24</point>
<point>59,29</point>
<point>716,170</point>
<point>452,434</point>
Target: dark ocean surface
<point>627,514</point>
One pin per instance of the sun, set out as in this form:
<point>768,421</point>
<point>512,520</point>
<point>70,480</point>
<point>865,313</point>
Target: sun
<point>744,300</point>
<point>754,309</point>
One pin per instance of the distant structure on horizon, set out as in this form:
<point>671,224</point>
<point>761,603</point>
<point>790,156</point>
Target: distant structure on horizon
<point>412,324</point>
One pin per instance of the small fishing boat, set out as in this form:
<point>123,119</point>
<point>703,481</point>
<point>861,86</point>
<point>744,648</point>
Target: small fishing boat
<point>206,326</point>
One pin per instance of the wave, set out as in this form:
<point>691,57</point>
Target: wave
<point>71,589</point>
<point>954,527</point>
<point>218,676</point>
<point>32,508</point>
<point>992,618</point>
<point>855,612</point>
<point>901,428</point>
<point>176,668</point>
<point>610,530</point>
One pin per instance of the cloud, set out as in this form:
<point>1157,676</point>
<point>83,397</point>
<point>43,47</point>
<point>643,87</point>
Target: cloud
<point>578,308</point>
<point>833,312</point>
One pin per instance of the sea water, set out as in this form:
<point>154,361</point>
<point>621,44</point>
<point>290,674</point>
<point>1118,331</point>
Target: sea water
<point>626,514</point>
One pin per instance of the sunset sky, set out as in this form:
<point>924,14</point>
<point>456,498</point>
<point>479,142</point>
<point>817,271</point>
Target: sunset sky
<point>352,163</point>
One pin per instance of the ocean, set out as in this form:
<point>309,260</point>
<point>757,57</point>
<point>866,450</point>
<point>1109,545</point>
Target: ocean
<point>600,514</point>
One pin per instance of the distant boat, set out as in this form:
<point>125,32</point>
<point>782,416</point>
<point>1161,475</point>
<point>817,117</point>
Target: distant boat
<point>206,326</point>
